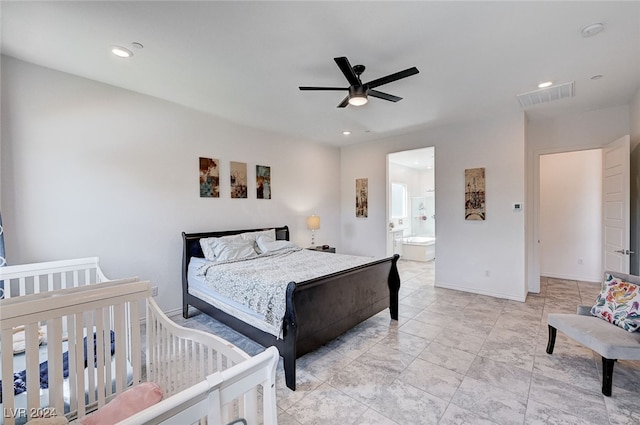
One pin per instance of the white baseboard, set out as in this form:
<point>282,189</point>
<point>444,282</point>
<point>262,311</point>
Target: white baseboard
<point>172,314</point>
<point>175,312</point>
<point>572,277</point>
<point>479,292</point>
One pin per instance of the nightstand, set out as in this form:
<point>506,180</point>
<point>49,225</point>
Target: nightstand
<point>331,249</point>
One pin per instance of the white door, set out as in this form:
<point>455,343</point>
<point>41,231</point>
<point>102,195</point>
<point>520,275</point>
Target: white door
<point>615,210</point>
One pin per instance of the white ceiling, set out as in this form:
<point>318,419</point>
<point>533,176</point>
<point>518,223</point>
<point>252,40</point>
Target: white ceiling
<point>244,61</point>
<point>420,159</point>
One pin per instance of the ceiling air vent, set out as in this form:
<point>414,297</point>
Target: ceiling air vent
<point>549,94</point>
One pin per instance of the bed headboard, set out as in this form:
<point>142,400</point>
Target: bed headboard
<point>191,241</point>
<point>191,248</point>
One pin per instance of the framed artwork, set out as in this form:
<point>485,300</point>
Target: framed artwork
<point>362,198</point>
<point>474,207</point>
<point>263,182</point>
<point>209,178</point>
<point>238,175</point>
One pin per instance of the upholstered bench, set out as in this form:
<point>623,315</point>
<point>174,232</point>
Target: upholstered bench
<point>610,341</point>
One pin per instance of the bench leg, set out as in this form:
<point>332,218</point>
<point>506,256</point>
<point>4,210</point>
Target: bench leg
<point>552,339</point>
<point>607,375</point>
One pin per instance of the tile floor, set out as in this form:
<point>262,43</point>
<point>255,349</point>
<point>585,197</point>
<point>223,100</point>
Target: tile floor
<point>454,358</point>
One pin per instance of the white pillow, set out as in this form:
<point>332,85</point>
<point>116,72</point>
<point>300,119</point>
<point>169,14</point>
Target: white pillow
<point>234,250</point>
<point>208,245</point>
<point>253,236</point>
<point>268,244</point>
<point>19,338</point>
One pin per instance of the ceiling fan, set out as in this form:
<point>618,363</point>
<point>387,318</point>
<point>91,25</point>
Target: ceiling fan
<point>359,92</point>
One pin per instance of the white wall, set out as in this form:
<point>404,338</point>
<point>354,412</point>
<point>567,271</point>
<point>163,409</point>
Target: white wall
<point>425,189</point>
<point>587,130</point>
<point>571,215</point>
<point>92,170</point>
<point>402,175</point>
<point>466,249</point>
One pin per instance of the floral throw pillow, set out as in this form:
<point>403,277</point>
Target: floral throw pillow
<point>618,303</point>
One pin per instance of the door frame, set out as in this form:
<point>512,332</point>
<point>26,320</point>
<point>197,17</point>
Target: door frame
<point>623,142</point>
<point>533,283</point>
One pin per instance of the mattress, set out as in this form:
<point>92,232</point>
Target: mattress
<point>254,290</point>
<point>199,287</point>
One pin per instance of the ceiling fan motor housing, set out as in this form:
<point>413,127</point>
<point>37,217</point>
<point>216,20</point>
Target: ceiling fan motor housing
<point>358,91</point>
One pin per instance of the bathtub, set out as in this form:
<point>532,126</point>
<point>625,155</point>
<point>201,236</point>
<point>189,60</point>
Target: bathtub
<point>419,248</point>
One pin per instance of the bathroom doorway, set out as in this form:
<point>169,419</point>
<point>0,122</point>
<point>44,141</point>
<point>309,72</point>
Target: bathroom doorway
<point>411,208</point>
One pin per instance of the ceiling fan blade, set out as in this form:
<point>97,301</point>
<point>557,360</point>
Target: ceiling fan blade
<point>344,102</point>
<point>347,70</point>
<point>385,96</point>
<point>324,88</point>
<point>392,77</point>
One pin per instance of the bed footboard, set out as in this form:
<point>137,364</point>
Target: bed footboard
<point>334,304</point>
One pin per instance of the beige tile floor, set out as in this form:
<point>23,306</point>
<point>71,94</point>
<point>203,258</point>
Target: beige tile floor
<point>454,358</point>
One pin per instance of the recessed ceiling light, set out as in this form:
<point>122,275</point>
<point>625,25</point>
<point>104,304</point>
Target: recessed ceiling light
<point>137,45</point>
<point>346,132</point>
<point>596,77</point>
<point>545,84</point>
<point>121,52</point>
<point>592,29</point>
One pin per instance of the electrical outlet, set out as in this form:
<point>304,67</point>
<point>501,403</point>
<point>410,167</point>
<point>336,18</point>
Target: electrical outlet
<point>580,261</point>
<point>487,273</point>
<point>154,291</point>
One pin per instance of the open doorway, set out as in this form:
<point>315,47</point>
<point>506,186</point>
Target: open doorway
<point>411,209</point>
<point>571,215</point>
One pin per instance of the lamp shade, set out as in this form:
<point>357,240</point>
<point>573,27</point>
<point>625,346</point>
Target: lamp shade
<point>313,222</point>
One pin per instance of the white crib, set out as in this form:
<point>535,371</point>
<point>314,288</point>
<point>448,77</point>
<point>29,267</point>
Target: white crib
<point>201,375</point>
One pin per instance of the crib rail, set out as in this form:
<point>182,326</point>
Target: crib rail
<point>94,315</point>
<point>34,278</point>
<point>178,358</point>
<point>72,300</point>
<point>212,396</point>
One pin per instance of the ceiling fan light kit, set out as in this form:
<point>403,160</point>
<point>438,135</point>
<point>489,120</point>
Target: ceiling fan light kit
<point>359,92</point>
<point>357,96</point>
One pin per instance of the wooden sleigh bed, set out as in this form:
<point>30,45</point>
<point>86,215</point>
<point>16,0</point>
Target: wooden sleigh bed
<point>317,310</point>
<point>200,375</point>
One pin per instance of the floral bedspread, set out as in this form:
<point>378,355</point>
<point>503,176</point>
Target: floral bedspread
<point>260,283</point>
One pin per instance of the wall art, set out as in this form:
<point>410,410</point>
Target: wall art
<point>209,178</point>
<point>474,206</point>
<point>238,174</point>
<point>263,182</point>
<point>362,198</point>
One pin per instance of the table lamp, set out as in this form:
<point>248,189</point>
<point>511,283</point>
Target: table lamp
<point>313,224</point>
